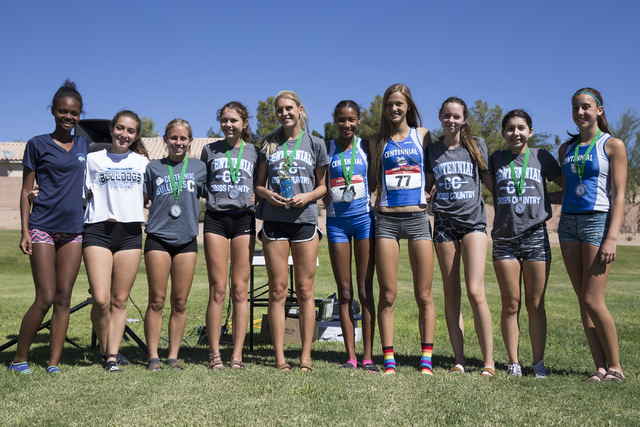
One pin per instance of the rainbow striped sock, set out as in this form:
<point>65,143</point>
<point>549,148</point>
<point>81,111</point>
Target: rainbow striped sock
<point>389,361</point>
<point>425,362</point>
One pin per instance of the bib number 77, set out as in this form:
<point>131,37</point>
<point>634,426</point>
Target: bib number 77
<point>403,177</point>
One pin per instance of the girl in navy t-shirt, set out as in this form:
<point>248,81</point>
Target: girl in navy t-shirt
<point>52,227</point>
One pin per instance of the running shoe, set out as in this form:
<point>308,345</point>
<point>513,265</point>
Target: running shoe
<point>515,369</point>
<point>539,371</point>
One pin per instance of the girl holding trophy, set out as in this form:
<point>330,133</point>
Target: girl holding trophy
<point>291,177</point>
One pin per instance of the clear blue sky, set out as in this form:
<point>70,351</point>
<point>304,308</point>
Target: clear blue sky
<point>186,59</point>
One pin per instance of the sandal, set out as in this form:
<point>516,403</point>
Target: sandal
<point>595,377</point>
<point>458,369</point>
<point>370,367</point>
<point>488,371</point>
<point>306,367</point>
<point>284,367</point>
<point>614,376</point>
<point>237,364</point>
<point>176,366</point>
<point>215,364</point>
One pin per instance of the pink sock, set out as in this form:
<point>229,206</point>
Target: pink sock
<point>367,362</point>
<point>354,362</point>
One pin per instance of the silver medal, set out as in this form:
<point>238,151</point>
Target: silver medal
<point>520,208</point>
<point>175,211</point>
<point>234,193</point>
<point>348,196</point>
<point>581,190</point>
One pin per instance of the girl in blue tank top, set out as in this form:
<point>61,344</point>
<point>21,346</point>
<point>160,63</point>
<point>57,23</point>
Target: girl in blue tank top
<point>349,216</point>
<point>398,153</point>
<point>594,168</point>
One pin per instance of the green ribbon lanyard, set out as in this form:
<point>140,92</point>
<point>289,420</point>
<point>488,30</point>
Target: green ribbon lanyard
<point>520,187</point>
<point>580,165</point>
<point>176,191</point>
<point>349,175</point>
<point>287,159</point>
<point>234,172</point>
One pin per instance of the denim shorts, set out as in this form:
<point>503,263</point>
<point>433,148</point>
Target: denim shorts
<point>446,231</point>
<point>359,227</point>
<point>403,225</point>
<point>532,245</point>
<point>589,227</point>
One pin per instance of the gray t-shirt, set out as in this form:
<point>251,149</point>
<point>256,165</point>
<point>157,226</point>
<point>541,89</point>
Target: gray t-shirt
<point>219,177</point>
<point>311,154</point>
<point>459,196</point>
<point>507,224</point>
<point>157,185</point>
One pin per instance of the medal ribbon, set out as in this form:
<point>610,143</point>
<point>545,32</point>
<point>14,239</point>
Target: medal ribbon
<point>519,188</point>
<point>347,175</point>
<point>580,165</point>
<point>176,191</point>
<point>234,172</point>
<point>287,158</point>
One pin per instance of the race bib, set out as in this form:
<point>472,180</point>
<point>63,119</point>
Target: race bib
<point>403,178</point>
<point>339,186</point>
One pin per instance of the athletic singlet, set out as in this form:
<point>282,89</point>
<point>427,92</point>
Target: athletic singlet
<point>337,185</point>
<point>595,177</point>
<point>403,172</point>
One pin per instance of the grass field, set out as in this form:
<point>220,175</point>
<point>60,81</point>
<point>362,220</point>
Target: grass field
<point>86,395</point>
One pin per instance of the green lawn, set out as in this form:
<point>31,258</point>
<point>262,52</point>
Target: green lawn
<point>261,395</point>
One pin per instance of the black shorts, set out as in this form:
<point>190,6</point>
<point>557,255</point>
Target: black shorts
<point>115,236</point>
<point>154,243</point>
<point>230,225</point>
<point>295,233</point>
<point>446,231</point>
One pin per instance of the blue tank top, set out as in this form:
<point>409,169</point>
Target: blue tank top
<point>337,184</point>
<point>403,172</point>
<point>595,177</point>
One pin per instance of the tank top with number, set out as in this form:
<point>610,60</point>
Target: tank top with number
<point>403,172</point>
<point>338,186</point>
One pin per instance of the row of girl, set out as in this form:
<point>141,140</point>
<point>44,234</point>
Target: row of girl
<point>399,164</point>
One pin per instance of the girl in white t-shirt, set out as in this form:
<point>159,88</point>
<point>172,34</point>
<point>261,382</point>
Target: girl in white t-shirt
<point>113,230</point>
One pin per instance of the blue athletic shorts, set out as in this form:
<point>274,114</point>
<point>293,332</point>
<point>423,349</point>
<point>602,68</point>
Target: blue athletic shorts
<point>359,227</point>
<point>590,227</point>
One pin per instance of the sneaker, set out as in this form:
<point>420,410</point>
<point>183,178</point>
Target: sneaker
<point>111,366</point>
<point>21,368</point>
<point>539,371</point>
<point>515,369</point>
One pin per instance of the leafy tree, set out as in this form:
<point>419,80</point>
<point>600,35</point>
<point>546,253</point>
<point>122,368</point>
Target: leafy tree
<point>148,128</point>
<point>266,117</point>
<point>370,123</point>
<point>485,122</point>
<point>330,131</point>
<point>627,128</point>
<point>315,133</point>
<point>213,134</point>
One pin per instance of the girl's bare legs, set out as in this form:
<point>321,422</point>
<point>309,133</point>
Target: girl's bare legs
<point>54,270</point>
<point>216,249</point>
<point>241,257</point>
<point>276,253</point>
<point>304,256</point>
<point>474,257</point>
<point>449,260</point>
<point>589,279</point>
